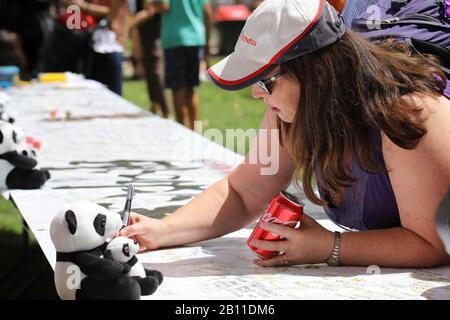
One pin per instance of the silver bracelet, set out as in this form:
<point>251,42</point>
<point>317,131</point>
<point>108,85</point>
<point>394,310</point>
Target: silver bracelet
<point>333,260</point>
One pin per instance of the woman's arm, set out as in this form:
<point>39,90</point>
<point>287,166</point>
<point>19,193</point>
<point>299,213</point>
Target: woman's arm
<point>398,247</point>
<point>233,202</point>
<point>229,205</point>
<point>420,178</point>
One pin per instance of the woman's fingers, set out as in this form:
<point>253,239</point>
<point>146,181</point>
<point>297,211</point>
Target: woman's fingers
<point>134,218</point>
<point>283,231</point>
<point>133,230</point>
<point>268,245</point>
<point>274,262</point>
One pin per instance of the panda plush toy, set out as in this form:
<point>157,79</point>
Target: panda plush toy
<point>124,250</point>
<point>18,165</point>
<point>80,233</point>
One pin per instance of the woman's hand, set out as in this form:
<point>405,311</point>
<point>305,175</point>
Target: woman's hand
<point>309,244</point>
<point>147,231</point>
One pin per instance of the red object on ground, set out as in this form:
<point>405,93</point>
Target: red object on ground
<point>232,13</point>
<point>37,145</point>
<point>284,209</point>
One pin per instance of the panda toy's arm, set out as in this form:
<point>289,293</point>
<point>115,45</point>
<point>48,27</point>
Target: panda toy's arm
<point>151,282</point>
<point>26,178</point>
<point>99,268</point>
<point>19,160</point>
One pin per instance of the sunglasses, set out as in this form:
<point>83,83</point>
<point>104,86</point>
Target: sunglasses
<point>266,84</point>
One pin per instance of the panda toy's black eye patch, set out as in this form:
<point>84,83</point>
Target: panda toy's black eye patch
<point>14,136</point>
<point>126,250</point>
<point>71,220</point>
<point>1,137</point>
<point>100,224</point>
<point>25,153</point>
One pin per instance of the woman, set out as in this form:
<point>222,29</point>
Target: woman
<point>369,122</point>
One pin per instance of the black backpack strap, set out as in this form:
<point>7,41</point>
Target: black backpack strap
<point>397,4</point>
<point>425,47</point>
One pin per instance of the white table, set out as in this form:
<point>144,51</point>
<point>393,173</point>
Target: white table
<point>96,158</point>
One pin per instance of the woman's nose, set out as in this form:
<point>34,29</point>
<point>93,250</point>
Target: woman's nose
<point>257,92</point>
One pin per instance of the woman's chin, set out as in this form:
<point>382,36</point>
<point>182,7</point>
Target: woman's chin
<point>285,118</point>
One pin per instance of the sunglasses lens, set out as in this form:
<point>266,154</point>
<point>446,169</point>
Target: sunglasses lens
<point>264,87</point>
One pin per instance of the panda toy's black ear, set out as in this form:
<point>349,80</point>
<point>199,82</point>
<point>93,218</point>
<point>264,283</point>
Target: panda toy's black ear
<point>71,220</point>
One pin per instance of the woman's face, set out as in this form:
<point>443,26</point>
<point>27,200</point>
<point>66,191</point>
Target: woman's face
<point>285,96</point>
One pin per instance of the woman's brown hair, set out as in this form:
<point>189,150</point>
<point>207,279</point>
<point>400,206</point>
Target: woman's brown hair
<point>346,89</point>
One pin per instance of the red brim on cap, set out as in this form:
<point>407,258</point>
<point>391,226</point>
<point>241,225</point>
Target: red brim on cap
<point>235,72</point>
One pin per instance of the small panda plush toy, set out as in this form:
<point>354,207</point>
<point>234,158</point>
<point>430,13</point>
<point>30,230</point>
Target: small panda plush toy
<point>124,250</point>
<point>18,165</point>
<point>80,233</point>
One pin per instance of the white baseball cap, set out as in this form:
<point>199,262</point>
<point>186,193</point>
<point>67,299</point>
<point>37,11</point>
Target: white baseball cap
<point>276,32</point>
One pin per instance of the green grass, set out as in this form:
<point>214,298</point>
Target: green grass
<point>10,219</point>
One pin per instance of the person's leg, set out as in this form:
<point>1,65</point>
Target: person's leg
<point>175,78</point>
<point>193,105</point>
<point>194,56</point>
<point>107,69</point>
<point>116,69</point>
<point>153,63</point>
<point>138,56</point>
<point>180,104</point>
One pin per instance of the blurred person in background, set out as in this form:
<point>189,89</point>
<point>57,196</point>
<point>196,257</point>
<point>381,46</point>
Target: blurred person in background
<point>89,37</point>
<point>67,45</point>
<point>148,24</point>
<point>11,53</point>
<point>185,30</point>
<point>108,40</point>
<point>27,19</point>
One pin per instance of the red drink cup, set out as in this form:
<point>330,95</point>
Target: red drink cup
<point>285,209</point>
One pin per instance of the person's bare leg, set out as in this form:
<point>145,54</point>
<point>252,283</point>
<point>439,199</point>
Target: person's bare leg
<point>180,104</point>
<point>193,105</point>
<point>155,107</point>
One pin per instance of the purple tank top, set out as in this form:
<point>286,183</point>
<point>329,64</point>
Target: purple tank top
<point>370,202</point>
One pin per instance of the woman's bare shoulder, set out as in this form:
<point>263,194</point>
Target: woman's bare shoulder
<point>435,115</point>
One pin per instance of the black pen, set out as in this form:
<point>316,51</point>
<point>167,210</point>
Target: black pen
<point>127,209</point>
